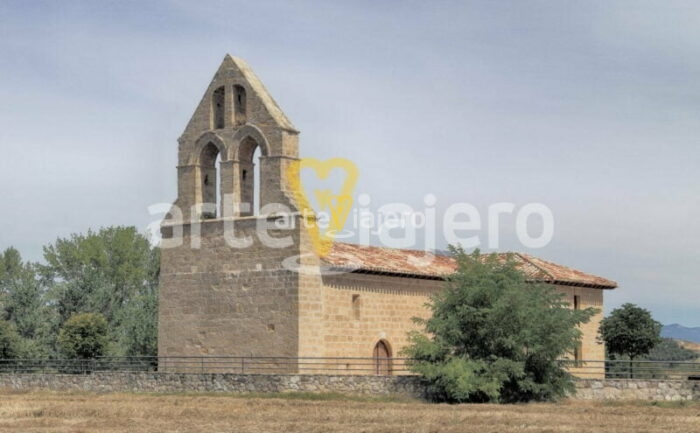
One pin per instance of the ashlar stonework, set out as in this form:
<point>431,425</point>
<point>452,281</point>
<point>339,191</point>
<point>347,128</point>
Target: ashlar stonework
<point>228,292</point>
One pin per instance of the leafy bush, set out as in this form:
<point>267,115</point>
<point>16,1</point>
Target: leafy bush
<point>83,336</point>
<point>494,336</point>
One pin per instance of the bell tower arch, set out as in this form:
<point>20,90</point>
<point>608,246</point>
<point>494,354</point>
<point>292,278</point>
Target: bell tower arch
<point>236,116</point>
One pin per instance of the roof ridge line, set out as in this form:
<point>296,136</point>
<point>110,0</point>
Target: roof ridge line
<point>522,256</point>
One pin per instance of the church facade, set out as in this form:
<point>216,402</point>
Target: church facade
<point>227,288</point>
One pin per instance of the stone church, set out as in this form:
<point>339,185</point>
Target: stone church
<point>225,291</point>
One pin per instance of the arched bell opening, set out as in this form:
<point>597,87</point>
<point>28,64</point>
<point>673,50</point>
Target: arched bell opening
<point>210,178</point>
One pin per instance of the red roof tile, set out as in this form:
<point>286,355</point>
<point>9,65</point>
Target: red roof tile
<point>416,263</point>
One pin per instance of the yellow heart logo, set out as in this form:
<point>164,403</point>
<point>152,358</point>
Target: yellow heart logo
<point>338,205</point>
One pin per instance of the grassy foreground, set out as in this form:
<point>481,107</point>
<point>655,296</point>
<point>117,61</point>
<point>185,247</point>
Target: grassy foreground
<point>83,412</point>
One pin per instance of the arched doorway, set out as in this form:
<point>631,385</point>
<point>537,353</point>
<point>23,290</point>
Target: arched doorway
<point>382,358</point>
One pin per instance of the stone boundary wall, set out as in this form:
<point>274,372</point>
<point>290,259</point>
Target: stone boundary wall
<point>638,389</point>
<point>405,386</point>
<point>235,383</point>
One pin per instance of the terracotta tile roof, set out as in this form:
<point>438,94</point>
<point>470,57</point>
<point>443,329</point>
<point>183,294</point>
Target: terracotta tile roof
<point>414,263</point>
<point>559,274</point>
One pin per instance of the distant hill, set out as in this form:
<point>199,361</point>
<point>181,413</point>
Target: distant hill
<point>680,332</point>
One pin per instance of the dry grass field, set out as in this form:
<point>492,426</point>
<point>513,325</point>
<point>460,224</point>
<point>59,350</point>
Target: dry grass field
<point>689,345</point>
<point>82,412</point>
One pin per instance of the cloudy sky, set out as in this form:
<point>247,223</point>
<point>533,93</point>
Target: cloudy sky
<point>591,108</point>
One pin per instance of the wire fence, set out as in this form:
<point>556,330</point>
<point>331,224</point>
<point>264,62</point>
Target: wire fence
<point>211,364</point>
<point>626,369</point>
<point>611,369</point>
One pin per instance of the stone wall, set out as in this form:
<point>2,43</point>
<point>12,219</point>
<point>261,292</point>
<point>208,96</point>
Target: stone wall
<point>590,348</point>
<point>404,386</point>
<point>625,389</point>
<point>220,300</point>
<point>359,310</point>
<point>236,383</point>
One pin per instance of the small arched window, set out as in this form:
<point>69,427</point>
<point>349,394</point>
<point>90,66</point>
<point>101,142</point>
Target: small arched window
<point>218,104</point>
<point>239,105</point>
<point>356,306</point>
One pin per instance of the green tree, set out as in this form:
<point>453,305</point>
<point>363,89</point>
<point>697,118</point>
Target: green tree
<point>114,272</point>
<point>630,331</point>
<point>140,325</point>
<point>9,341</point>
<point>494,336</point>
<point>24,305</point>
<point>83,336</point>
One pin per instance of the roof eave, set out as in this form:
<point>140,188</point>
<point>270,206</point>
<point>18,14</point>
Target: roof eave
<point>379,271</point>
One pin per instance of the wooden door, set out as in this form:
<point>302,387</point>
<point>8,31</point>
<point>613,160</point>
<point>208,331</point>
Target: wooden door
<point>382,359</point>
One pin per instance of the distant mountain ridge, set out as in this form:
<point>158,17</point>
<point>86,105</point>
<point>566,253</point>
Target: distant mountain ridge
<point>680,332</point>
